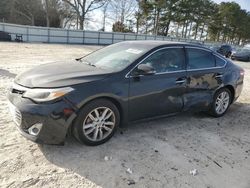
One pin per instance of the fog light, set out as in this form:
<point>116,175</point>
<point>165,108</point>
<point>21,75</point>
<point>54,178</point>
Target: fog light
<point>35,129</point>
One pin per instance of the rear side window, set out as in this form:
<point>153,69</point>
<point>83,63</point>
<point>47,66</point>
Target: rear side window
<point>198,59</point>
<point>219,62</point>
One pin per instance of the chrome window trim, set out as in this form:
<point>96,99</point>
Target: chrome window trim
<point>194,47</point>
<point>186,70</point>
<point>128,76</point>
<point>210,68</point>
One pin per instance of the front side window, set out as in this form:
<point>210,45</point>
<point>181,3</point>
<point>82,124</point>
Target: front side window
<point>167,60</point>
<point>199,59</point>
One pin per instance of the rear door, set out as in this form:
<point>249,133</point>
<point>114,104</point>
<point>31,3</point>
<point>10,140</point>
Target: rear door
<point>204,76</point>
<point>162,92</point>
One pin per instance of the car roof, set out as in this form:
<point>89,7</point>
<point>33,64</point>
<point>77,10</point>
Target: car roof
<point>155,43</point>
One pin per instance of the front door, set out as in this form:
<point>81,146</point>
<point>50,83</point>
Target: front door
<point>160,93</point>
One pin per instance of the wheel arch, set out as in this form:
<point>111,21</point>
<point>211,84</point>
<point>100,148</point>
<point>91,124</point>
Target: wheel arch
<point>112,99</point>
<point>232,90</point>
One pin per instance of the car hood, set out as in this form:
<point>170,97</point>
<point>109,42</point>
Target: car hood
<point>60,74</point>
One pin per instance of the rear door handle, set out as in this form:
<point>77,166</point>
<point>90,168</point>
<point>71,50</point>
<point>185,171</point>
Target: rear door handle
<point>218,75</point>
<point>181,81</point>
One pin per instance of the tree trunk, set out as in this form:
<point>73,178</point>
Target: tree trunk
<point>82,17</point>
<point>190,28</point>
<point>154,29</point>
<point>81,23</point>
<point>202,30</point>
<point>186,29</point>
<point>77,22</point>
<point>157,21</point>
<point>206,36</point>
<point>239,40</point>
<point>167,28</point>
<point>146,29</point>
<point>32,20</point>
<point>104,17</point>
<point>137,24</point>
<point>196,31</point>
<point>218,36</point>
<point>177,30</point>
<point>47,13</point>
<point>183,28</point>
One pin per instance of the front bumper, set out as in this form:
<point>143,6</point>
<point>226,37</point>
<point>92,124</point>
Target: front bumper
<point>52,117</point>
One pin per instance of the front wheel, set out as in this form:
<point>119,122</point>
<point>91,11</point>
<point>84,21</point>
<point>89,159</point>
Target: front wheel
<point>228,55</point>
<point>221,102</point>
<point>96,122</point>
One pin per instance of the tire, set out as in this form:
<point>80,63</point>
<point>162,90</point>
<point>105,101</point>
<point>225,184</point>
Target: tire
<point>94,125</point>
<point>214,107</point>
<point>228,55</point>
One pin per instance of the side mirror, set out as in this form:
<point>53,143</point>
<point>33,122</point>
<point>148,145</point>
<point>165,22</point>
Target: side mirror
<point>144,69</point>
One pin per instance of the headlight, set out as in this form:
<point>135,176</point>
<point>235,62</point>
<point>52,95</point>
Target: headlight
<point>44,95</point>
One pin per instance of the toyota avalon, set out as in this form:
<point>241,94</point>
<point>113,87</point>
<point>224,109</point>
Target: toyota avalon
<point>91,96</point>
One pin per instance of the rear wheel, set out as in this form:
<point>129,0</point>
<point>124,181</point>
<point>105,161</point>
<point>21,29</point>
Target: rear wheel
<point>221,102</point>
<point>96,122</point>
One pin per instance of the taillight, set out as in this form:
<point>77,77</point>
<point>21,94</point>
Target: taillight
<point>242,72</point>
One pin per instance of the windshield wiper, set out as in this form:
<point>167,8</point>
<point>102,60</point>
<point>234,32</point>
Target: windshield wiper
<point>93,65</point>
<point>78,59</point>
<point>86,62</point>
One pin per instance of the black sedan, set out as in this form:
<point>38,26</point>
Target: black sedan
<point>4,36</point>
<point>225,50</point>
<point>91,96</point>
<point>241,55</point>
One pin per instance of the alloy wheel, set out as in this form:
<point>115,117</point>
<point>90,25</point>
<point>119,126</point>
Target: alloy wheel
<point>222,102</point>
<point>99,124</point>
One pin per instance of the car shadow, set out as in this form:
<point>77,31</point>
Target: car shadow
<point>145,147</point>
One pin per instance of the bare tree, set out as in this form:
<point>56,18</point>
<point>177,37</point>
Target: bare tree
<point>104,11</point>
<point>67,15</point>
<point>53,12</point>
<point>82,7</point>
<point>28,9</point>
<point>123,9</point>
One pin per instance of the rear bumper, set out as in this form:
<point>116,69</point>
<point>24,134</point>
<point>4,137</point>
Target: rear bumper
<point>239,58</point>
<point>51,117</point>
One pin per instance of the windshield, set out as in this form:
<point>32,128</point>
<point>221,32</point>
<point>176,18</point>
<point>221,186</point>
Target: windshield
<point>116,57</point>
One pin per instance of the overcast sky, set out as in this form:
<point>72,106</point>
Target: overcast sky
<point>245,4</point>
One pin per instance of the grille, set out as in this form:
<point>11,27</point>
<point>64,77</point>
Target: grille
<point>16,114</point>
<point>18,117</point>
